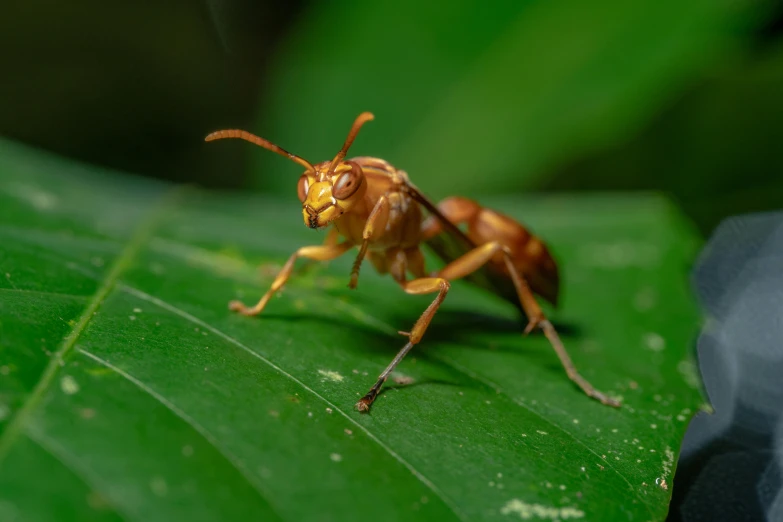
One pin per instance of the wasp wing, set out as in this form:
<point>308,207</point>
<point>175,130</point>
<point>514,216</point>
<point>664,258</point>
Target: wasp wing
<point>452,243</point>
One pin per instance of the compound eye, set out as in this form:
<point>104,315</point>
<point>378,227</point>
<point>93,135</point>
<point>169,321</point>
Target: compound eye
<point>302,187</point>
<point>348,182</point>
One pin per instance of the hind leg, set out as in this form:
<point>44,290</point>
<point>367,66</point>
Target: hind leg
<point>474,259</point>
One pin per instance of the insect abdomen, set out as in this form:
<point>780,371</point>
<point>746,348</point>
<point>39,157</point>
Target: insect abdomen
<point>531,256</point>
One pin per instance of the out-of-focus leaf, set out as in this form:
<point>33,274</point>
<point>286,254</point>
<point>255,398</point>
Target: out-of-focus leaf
<point>716,150</point>
<point>483,96</point>
<point>128,391</point>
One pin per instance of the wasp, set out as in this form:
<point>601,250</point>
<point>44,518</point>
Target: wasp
<point>374,207</point>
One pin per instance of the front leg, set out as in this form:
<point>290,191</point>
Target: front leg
<point>375,226</point>
<point>332,237</point>
<point>317,253</point>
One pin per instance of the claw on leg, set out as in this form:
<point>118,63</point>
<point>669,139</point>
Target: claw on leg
<point>240,307</point>
<point>363,406</point>
<point>318,253</point>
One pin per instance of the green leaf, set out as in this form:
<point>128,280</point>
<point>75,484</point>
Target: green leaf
<point>129,392</point>
<point>501,91</point>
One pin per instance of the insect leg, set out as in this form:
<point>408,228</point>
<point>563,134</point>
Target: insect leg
<point>426,285</point>
<point>332,237</point>
<point>474,259</point>
<point>317,253</point>
<point>375,225</point>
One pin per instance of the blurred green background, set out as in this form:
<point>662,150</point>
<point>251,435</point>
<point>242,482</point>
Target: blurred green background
<point>470,97</point>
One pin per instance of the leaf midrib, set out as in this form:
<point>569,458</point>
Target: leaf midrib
<point>143,234</point>
<point>137,240</point>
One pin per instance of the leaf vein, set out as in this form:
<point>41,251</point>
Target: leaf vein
<point>472,375</point>
<point>185,315</point>
<point>235,462</point>
<point>70,462</point>
<point>370,320</point>
<point>46,294</point>
<point>18,424</point>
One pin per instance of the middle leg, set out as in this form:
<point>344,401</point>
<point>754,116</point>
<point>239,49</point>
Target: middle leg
<point>425,285</point>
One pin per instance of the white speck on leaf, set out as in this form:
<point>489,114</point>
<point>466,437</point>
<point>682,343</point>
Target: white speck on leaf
<point>137,310</point>
<point>541,432</point>
<point>159,487</point>
<point>645,299</point>
<point>668,462</point>
<point>331,375</point>
<point>336,457</point>
<point>654,342</point>
<point>402,380</point>
<point>69,385</point>
<point>689,373</point>
<point>329,410</point>
<point>528,511</point>
<point>619,255</point>
<point>132,317</point>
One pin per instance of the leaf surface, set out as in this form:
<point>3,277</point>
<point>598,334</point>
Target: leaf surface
<point>478,96</point>
<point>129,392</point>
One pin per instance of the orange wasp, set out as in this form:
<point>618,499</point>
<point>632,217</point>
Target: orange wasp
<point>374,206</point>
